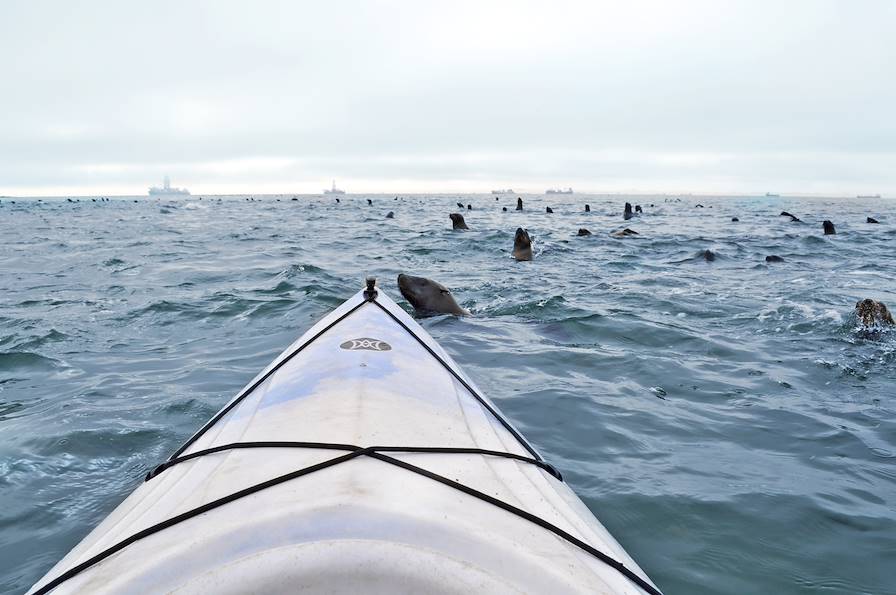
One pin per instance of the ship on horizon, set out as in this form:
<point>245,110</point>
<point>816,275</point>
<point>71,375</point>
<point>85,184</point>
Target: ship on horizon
<point>502,191</point>
<point>867,195</point>
<point>166,189</point>
<point>558,191</point>
<point>334,189</point>
<point>772,195</point>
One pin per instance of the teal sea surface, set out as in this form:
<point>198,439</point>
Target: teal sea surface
<point>727,420</point>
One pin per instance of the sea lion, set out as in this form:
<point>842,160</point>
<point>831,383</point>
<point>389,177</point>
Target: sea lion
<point>457,221</point>
<point>699,206</point>
<point>627,214</point>
<point>390,215</point>
<point>828,228</point>
<point>548,210</point>
<point>519,204</point>
<point>638,209</point>
<point>460,205</point>
<point>294,198</point>
<point>873,313</point>
<point>469,207</point>
<point>583,232</point>
<point>587,208</point>
<point>429,297</point>
<point>504,209</point>
<point>624,233</point>
<point>773,258</point>
<point>522,245</point>
<point>337,200</point>
<point>369,202</point>
<point>708,255</point>
<point>871,220</point>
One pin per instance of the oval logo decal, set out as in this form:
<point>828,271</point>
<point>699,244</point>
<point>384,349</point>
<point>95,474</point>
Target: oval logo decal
<point>366,343</point>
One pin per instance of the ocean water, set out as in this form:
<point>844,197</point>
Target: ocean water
<point>727,420</point>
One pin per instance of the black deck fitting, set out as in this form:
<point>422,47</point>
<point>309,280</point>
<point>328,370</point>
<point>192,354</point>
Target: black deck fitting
<point>370,292</point>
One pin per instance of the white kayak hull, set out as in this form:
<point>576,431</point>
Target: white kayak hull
<point>366,375</point>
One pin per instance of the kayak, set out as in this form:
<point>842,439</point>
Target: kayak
<point>362,459</point>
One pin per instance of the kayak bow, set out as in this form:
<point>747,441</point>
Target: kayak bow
<point>361,459</point>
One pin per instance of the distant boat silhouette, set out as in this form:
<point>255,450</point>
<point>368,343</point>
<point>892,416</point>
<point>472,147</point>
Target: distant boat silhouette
<point>558,191</point>
<point>867,195</point>
<point>770,195</point>
<point>508,191</point>
<point>334,189</point>
<point>166,189</point>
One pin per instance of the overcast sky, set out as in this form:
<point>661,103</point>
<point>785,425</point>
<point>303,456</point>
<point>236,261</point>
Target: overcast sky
<point>388,96</point>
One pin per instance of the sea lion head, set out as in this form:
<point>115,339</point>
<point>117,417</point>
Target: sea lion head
<point>522,245</point>
<point>457,221</point>
<point>873,313</point>
<point>428,297</point>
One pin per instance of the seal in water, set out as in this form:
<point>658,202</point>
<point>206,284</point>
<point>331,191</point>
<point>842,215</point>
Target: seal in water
<point>519,203</point>
<point>587,208</point>
<point>548,210</point>
<point>369,202</point>
<point>457,221</point>
<point>522,245</point>
<point>708,255</point>
<point>873,313</point>
<point>390,215</point>
<point>638,209</point>
<point>792,217</point>
<point>624,233</point>
<point>773,258</point>
<point>337,200</point>
<point>828,228</point>
<point>460,205</point>
<point>735,219</point>
<point>583,232</point>
<point>627,214</point>
<point>504,209</point>
<point>871,220</point>
<point>469,207</point>
<point>428,296</point>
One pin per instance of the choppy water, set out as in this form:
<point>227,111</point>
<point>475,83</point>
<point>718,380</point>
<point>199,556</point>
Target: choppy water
<point>725,420</point>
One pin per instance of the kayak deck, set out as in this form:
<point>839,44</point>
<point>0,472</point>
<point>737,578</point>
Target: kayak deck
<point>281,490</point>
